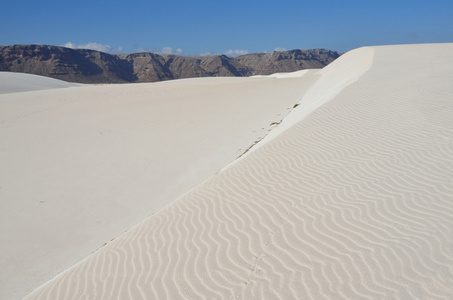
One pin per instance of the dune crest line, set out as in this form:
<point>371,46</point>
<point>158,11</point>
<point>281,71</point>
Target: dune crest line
<point>332,79</point>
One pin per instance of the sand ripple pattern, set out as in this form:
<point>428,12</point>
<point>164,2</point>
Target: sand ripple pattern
<point>353,202</point>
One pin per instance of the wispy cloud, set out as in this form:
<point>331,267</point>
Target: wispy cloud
<point>94,46</point>
<point>164,50</point>
<point>279,49</point>
<point>207,54</point>
<point>236,52</point>
<point>169,50</point>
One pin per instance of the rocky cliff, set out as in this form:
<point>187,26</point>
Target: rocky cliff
<point>89,66</point>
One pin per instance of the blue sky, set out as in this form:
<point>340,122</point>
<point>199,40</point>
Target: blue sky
<point>231,27</point>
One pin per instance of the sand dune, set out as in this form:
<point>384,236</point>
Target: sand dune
<point>11,82</point>
<point>81,165</point>
<point>351,198</point>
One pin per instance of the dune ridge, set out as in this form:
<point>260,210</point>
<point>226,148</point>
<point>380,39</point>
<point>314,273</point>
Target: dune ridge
<point>330,82</point>
<point>352,201</point>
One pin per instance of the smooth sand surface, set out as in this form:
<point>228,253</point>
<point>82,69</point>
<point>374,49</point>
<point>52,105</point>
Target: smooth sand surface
<point>352,199</point>
<point>81,165</point>
<point>11,82</point>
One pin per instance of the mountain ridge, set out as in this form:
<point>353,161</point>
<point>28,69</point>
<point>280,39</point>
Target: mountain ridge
<point>91,66</point>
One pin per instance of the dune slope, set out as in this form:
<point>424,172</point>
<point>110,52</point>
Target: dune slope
<point>81,165</point>
<point>353,201</point>
<point>11,82</point>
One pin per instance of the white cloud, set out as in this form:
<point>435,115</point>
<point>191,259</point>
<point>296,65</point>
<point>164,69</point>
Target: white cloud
<point>170,50</point>
<point>279,49</point>
<point>207,54</point>
<point>94,46</point>
<point>236,52</point>
<point>164,50</point>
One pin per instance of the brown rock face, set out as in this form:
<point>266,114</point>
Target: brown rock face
<point>287,61</point>
<point>89,66</point>
<point>148,67</point>
<point>84,66</point>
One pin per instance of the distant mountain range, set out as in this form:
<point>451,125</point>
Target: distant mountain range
<point>89,66</point>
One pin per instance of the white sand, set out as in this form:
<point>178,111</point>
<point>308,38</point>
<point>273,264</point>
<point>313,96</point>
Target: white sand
<point>11,82</point>
<point>333,79</point>
<point>81,165</point>
<point>353,199</point>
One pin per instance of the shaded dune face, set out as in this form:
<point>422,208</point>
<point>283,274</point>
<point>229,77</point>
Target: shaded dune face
<point>350,197</point>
